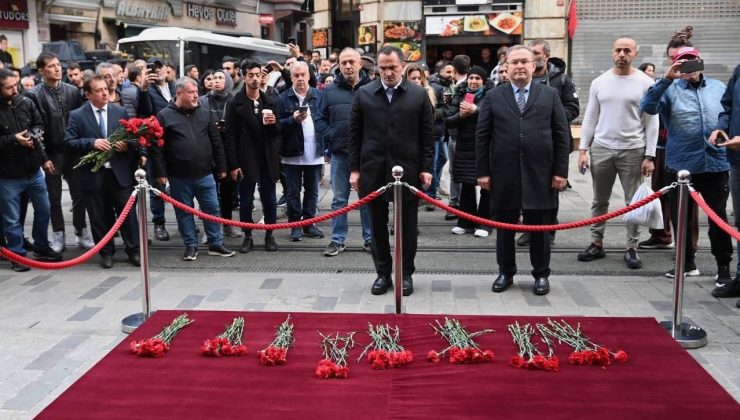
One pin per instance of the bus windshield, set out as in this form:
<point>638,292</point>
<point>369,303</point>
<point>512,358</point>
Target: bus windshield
<point>168,51</point>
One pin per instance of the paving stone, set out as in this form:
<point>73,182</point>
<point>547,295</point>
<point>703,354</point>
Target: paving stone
<point>662,306</point>
<point>4,277</point>
<point>255,306</point>
<point>191,302</point>
<point>271,283</point>
<point>93,293</point>
<point>324,303</point>
<point>391,309</point>
<point>579,294</point>
<point>45,286</point>
<point>441,285</point>
<point>133,294</point>
<point>34,281</point>
<point>534,300</point>
<point>464,292</point>
<point>61,370</point>
<point>85,313</point>
<point>718,308</point>
<point>219,295</point>
<point>29,396</point>
<point>350,297</point>
<point>111,281</point>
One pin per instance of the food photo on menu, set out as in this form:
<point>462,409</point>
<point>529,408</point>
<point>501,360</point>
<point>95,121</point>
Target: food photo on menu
<point>406,36</point>
<point>487,25</point>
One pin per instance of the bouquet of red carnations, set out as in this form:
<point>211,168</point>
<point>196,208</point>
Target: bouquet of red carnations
<point>535,359</point>
<point>229,343</point>
<point>585,351</point>
<point>144,132</point>
<point>387,352</point>
<point>462,346</point>
<point>335,352</point>
<point>277,352</point>
<point>158,345</point>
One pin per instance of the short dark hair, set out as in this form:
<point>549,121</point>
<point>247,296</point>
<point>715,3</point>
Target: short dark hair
<point>172,66</point>
<point>461,64</point>
<point>189,67</point>
<point>5,74</point>
<point>316,51</point>
<point>441,64</point>
<point>249,65</point>
<point>390,49</point>
<point>3,38</point>
<point>644,66</point>
<point>87,84</point>
<point>230,59</point>
<point>133,73</point>
<point>73,65</point>
<point>43,59</point>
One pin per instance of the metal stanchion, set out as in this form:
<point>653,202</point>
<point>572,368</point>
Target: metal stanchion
<point>397,172</point>
<point>687,335</point>
<point>131,322</point>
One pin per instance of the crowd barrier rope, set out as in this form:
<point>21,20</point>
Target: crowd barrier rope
<point>272,226</point>
<point>696,196</point>
<point>540,228</point>
<point>5,252</point>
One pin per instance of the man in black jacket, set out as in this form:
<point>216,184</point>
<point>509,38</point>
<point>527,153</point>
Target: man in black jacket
<point>21,158</point>
<point>191,143</point>
<point>524,165</point>
<point>332,122</point>
<point>55,100</point>
<point>550,71</point>
<point>392,124</point>
<point>252,146</point>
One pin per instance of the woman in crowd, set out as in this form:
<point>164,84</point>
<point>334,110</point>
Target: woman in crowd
<point>205,84</point>
<point>462,113</point>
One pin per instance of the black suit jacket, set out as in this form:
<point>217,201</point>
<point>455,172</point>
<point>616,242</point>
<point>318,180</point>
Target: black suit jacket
<point>83,129</point>
<point>383,135</point>
<point>522,151</point>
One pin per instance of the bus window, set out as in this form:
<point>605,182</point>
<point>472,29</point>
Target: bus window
<point>166,50</point>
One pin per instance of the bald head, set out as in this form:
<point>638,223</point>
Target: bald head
<point>350,64</point>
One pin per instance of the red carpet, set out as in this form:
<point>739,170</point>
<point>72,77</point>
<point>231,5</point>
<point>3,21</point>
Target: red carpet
<point>660,380</point>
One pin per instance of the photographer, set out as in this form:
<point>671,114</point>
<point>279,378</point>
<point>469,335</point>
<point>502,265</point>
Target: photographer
<point>21,158</point>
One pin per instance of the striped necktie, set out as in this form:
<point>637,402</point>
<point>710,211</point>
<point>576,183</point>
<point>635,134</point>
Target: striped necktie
<point>521,101</point>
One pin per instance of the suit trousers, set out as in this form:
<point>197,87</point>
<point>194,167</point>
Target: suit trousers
<point>381,248</point>
<point>539,244</point>
<point>63,163</point>
<point>103,205</point>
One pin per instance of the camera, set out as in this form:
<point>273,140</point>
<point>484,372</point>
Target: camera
<point>37,135</point>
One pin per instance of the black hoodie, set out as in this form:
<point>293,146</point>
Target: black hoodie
<point>556,78</point>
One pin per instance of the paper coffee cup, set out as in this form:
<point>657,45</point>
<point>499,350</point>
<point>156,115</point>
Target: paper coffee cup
<point>264,113</point>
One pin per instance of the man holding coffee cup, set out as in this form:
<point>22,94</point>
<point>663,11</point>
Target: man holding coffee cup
<point>252,146</point>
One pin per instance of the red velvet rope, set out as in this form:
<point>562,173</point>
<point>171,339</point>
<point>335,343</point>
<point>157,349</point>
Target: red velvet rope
<point>275,226</point>
<point>82,258</point>
<point>715,218</point>
<point>538,228</point>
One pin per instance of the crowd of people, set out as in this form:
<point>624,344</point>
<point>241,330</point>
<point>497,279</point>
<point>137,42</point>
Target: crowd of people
<point>502,126</point>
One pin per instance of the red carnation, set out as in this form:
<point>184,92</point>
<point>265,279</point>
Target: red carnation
<point>621,356</point>
<point>433,356</point>
<point>517,361</point>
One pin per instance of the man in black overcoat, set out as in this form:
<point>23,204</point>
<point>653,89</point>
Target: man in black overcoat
<point>391,124</point>
<point>522,145</point>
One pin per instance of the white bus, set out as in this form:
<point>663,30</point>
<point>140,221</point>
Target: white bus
<point>202,48</point>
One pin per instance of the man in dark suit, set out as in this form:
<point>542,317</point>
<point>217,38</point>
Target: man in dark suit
<point>106,191</point>
<point>391,124</point>
<point>523,164</point>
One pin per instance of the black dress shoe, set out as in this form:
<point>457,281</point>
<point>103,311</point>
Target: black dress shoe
<point>160,232</point>
<point>247,245</point>
<point>106,261</point>
<point>19,268</point>
<point>270,244</point>
<point>408,285</point>
<point>502,283</point>
<point>381,285</point>
<point>134,259</point>
<point>541,286</point>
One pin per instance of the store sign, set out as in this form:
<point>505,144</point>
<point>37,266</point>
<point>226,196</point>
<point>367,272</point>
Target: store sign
<point>266,19</point>
<point>14,14</point>
<point>470,25</point>
<point>134,9</point>
<point>220,15</point>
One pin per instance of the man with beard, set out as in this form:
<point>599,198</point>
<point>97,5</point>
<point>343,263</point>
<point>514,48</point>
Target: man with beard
<point>621,140</point>
<point>391,125</point>
<point>550,71</point>
<point>231,65</point>
<point>332,122</point>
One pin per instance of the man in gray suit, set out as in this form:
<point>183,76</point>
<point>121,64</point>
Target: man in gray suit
<point>523,164</point>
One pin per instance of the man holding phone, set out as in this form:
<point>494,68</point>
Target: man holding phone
<point>689,104</point>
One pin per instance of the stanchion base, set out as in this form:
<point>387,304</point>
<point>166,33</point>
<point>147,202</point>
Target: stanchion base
<point>132,322</point>
<point>689,336</point>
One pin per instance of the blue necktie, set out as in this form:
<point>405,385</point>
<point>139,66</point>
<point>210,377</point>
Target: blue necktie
<point>389,93</point>
<point>101,124</point>
<point>521,101</point>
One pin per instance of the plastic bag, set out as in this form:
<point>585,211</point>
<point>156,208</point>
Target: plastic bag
<point>650,215</point>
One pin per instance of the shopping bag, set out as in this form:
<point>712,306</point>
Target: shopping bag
<point>650,215</point>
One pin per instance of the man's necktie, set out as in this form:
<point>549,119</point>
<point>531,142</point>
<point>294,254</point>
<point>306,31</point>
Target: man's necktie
<point>521,101</point>
<point>101,124</point>
<point>389,93</point>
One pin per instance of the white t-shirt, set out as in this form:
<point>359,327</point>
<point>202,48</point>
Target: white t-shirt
<point>613,118</point>
<point>310,156</point>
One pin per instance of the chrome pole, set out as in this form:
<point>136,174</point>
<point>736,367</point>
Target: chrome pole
<point>688,336</point>
<point>397,172</point>
<point>131,322</point>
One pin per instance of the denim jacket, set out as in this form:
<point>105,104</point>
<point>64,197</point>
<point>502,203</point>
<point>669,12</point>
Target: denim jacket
<point>690,115</point>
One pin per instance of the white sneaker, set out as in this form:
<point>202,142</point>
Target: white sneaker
<point>457,230</point>
<point>84,241</point>
<point>57,241</point>
<point>204,241</point>
<point>481,233</point>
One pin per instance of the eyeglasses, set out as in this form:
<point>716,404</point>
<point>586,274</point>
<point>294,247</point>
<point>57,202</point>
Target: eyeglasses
<point>519,62</point>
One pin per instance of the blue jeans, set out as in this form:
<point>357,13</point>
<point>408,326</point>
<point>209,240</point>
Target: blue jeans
<point>204,189</point>
<point>735,194</point>
<point>440,158</point>
<point>340,188</point>
<point>10,209</point>
<point>267,197</point>
<point>156,204</point>
<point>308,177</point>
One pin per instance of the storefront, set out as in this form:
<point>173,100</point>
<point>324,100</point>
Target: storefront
<point>18,32</point>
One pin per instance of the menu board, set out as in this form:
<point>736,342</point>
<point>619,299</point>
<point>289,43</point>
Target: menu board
<point>406,36</point>
<point>468,25</point>
<point>367,34</point>
<point>320,38</point>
